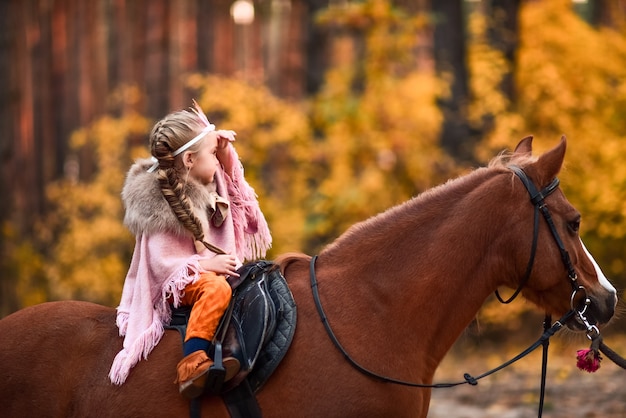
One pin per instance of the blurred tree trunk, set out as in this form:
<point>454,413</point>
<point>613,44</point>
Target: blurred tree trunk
<point>156,75</point>
<point>205,38</point>
<point>451,63</point>
<point>293,61</point>
<point>283,34</point>
<point>8,102</point>
<point>503,35</point>
<point>316,47</point>
<point>608,13</point>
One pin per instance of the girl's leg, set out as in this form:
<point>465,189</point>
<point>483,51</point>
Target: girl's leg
<point>209,297</point>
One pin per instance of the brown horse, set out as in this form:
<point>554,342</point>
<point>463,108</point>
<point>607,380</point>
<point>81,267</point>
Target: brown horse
<point>398,289</point>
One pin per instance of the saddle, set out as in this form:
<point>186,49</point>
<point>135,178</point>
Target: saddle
<point>257,329</point>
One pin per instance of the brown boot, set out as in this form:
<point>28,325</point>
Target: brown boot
<point>193,369</point>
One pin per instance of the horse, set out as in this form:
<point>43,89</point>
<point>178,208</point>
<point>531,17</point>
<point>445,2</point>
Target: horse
<point>398,289</point>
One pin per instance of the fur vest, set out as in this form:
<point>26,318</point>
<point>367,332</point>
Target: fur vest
<point>147,211</point>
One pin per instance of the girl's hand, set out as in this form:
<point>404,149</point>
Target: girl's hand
<point>224,138</point>
<point>224,264</point>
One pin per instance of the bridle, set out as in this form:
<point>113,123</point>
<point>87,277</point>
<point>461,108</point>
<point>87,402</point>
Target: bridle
<point>537,198</point>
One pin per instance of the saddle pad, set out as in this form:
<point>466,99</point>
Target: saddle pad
<point>282,328</point>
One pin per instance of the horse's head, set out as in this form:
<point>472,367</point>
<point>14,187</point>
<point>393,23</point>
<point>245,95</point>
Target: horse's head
<point>564,275</point>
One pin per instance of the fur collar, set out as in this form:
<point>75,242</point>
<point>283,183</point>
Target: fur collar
<point>147,211</point>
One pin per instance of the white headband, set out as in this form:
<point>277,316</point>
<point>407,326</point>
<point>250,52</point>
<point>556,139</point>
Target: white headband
<point>209,128</point>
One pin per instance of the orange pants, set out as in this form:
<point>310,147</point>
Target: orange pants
<point>209,297</point>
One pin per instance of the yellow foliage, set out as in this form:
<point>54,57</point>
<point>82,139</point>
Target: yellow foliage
<point>23,264</point>
<point>379,142</point>
<point>571,79</point>
<point>88,246</point>
<point>486,67</point>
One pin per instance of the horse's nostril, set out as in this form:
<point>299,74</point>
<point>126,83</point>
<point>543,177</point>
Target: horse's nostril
<point>607,310</point>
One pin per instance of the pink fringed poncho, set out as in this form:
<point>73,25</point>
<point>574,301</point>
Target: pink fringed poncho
<point>165,260</point>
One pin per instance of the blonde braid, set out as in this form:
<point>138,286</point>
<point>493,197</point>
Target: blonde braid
<point>169,134</point>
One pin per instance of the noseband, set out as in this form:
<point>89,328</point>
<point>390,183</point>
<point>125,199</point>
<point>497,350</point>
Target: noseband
<point>537,198</point>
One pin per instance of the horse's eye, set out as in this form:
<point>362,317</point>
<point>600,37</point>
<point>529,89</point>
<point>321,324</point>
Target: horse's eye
<point>574,225</point>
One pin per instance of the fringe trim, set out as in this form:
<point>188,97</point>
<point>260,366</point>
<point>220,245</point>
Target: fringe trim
<point>121,321</point>
<point>188,366</point>
<point>174,288</point>
<point>252,234</point>
<point>256,246</point>
<point>143,345</point>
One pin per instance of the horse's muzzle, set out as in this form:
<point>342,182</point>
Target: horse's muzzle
<point>599,311</point>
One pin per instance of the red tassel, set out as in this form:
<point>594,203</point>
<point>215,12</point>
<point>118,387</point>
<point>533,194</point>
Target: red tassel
<point>588,360</point>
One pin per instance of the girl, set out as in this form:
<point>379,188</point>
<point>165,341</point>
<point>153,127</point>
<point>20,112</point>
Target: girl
<point>186,206</point>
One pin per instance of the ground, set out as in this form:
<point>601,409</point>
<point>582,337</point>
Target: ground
<point>514,391</point>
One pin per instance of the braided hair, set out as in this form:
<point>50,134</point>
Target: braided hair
<point>169,134</point>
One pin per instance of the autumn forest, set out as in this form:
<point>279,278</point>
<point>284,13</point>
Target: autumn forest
<point>342,109</point>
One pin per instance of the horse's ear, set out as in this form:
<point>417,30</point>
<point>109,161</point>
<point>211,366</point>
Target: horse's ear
<point>549,164</point>
<point>525,146</point>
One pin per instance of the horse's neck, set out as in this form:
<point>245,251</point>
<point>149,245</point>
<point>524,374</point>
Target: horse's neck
<point>420,270</point>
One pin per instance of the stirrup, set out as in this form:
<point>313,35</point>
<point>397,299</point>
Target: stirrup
<point>221,371</point>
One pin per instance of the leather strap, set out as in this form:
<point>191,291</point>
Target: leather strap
<point>241,402</point>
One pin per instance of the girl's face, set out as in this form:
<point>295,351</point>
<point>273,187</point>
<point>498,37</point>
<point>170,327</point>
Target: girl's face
<point>203,163</point>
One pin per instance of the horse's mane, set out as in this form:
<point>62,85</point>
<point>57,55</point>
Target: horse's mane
<point>506,158</point>
<point>435,196</point>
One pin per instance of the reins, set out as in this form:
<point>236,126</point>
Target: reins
<point>537,199</point>
<point>468,379</point>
